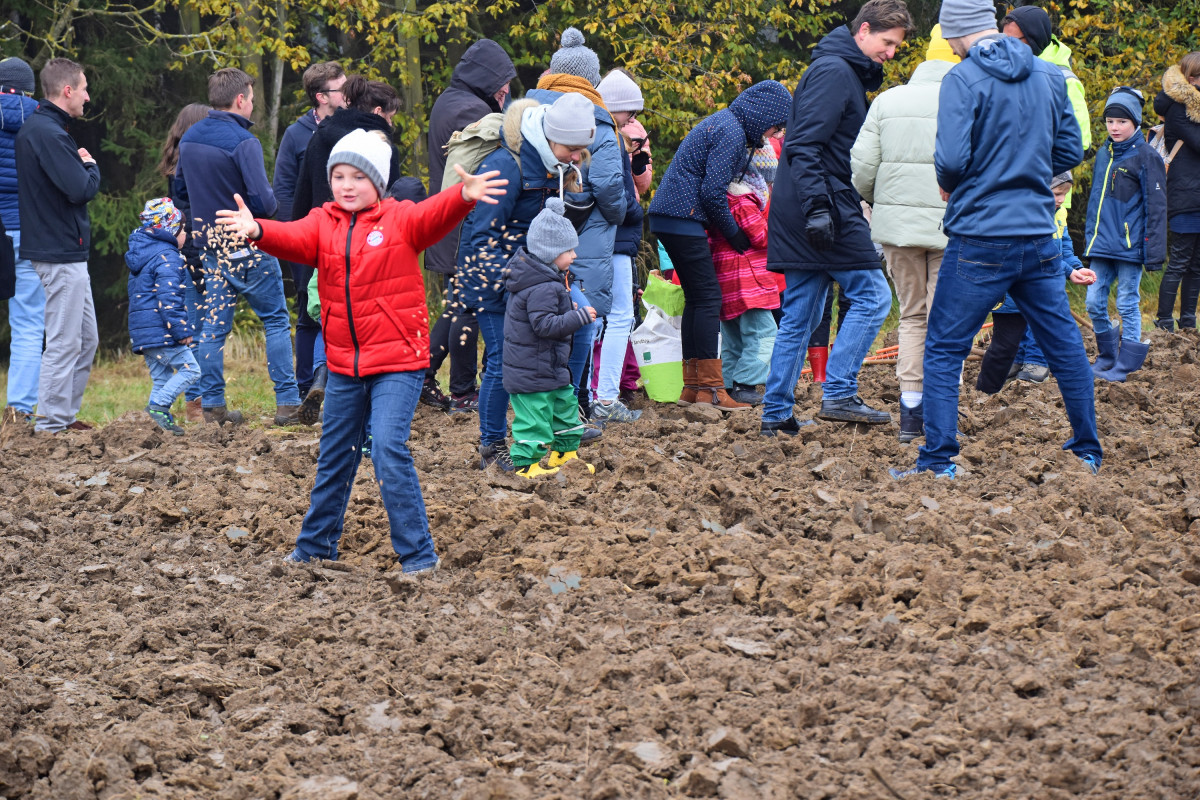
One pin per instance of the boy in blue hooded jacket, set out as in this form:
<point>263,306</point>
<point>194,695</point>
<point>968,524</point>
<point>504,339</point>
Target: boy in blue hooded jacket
<point>158,321</point>
<point>1126,230</point>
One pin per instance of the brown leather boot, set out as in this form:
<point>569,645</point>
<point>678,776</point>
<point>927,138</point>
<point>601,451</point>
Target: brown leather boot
<point>193,411</point>
<point>222,415</point>
<point>712,386</point>
<point>287,415</point>
<point>690,383</point>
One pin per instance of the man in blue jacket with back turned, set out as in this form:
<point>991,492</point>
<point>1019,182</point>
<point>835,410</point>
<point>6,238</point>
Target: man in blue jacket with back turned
<point>1005,127</point>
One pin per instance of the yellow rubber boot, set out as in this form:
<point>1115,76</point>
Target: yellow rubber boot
<point>536,470</point>
<point>557,459</point>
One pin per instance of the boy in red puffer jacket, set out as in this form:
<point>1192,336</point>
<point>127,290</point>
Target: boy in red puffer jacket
<point>376,330</point>
<point>748,291</point>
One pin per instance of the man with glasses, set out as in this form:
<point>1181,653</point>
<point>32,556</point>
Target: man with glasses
<point>323,85</point>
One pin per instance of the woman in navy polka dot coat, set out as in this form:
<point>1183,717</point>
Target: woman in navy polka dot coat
<point>689,203</point>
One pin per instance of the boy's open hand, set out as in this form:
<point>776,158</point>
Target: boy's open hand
<point>1083,277</point>
<point>241,221</point>
<point>485,187</point>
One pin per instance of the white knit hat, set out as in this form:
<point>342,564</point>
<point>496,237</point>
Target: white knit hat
<point>368,152</point>
<point>571,121</point>
<point>620,93</point>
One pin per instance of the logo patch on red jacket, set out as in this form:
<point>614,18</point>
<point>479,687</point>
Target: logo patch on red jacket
<point>375,238</point>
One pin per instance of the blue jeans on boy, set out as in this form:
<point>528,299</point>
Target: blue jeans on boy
<point>803,303</point>
<point>493,400</point>
<point>193,302</point>
<point>1030,352</point>
<point>173,369</point>
<point>27,320</point>
<point>975,274</point>
<point>387,403</point>
<point>1129,299</point>
<point>257,278</point>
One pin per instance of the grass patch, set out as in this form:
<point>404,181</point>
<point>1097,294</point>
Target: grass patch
<point>120,382</point>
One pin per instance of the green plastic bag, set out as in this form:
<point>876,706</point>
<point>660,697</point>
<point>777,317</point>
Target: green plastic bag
<point>656,342</point>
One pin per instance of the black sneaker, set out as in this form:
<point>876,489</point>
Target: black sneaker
<point>432,395</point>
<point>464,403</point>
<point>743,393</point>
<point>912,422</point>
<point>852,409</point>
<point>163,419</point>
<point>790,427</point>
<point>496,454</point>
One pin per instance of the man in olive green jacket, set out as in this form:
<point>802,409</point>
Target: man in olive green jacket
<point>892,163</point>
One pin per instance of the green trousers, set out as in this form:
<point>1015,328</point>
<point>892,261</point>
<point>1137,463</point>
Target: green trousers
<point>544,419</point>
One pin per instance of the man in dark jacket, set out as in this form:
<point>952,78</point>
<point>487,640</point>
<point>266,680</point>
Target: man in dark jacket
<point>1004,124</point>
<point>27,306</point>
<point>818,234</point>
<point>478,87</point>
<point>218,158</point>
<point>55,180</point>
<point>323,85</point>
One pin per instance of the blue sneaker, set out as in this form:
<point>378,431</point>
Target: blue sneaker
<point>1091,462</point>
<point>946,472</point>
<point>366,448</point>
<point>294,557</point>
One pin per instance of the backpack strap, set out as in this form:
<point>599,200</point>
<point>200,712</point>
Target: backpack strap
<point>1174,152</point>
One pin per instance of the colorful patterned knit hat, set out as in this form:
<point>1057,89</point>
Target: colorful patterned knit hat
<point>162,213</point>
<point>761,172</point>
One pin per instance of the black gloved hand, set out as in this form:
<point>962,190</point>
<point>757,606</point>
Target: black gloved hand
<point>819,226</point>
<point>739,241</point>
<point>641,160</point>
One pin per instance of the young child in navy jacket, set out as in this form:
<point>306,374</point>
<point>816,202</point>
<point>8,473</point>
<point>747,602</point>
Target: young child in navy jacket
<point>158,320</point>
<point>1126,230</point>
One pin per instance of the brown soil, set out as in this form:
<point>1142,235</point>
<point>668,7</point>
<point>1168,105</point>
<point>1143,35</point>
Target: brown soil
<point>713,614</point>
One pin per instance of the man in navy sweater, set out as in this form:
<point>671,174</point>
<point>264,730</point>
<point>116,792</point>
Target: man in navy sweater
<point>219,157</point>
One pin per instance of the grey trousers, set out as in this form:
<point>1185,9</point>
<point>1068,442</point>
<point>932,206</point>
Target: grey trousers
<point>71,341</point>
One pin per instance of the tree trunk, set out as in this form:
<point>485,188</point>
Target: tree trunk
<point>413,97</point>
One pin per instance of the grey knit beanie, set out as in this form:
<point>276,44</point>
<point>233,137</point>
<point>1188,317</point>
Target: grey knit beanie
<point>1061,178</point>
<point>964,17</point>
<point>571,121</point>
<point>365,151</point>
<point>573,58</point>
<point>1125,102</point>
<point>551,234</point>
<point>620,93</point>
<point>16,74</point>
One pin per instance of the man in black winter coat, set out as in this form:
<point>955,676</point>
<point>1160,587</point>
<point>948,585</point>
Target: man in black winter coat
<point>817,231</point>
<point>55,181</point>
<point>478,87</point>
<point>323,85</point>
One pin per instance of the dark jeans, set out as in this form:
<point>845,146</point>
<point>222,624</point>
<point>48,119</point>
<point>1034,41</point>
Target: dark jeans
<point>455,335</point>
<point>1007,330</point>
<point>974,276</point>
<point>307,328</point>
<point>701,324</point>
<point>1183,268</point>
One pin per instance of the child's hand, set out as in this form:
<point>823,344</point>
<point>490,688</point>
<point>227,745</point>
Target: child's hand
<point>485,187</point>
<point>241,221</point>
<point>187,340</point>
<point>591,312</point>
<point>1083,277</point>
